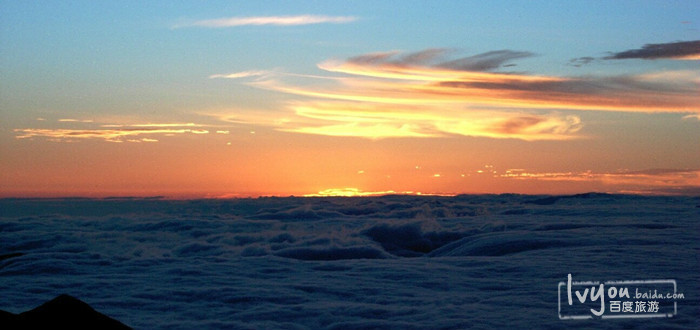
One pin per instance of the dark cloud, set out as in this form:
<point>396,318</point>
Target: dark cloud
<point>681,49</point>
<point>424,57</point>
<point>373,58</point>
<point>571,86</point>
<point>581,61</point>
<point>431,57</point>
<point>621,92</point>
<point>485,61</point>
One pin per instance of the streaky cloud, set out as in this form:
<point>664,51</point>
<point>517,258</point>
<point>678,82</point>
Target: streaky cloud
<point>380,121</point>
<point>111,132</point>
<point>152,125</point>
<point>385,81</point>
<point>73,120</point>
<point>486,61</point>
<point>242,74</point>
<point>658,178</point>
<point>431,57</point>
<point>272,20</point>
<point>424,94</point>
<point>681,50</point>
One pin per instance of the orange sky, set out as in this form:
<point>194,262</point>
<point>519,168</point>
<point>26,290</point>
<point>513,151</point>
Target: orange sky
<point>108,101</point>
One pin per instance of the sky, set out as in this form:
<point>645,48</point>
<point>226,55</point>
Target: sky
<point>193,99</point>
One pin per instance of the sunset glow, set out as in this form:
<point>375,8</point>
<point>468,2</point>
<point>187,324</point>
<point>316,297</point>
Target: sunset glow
<point>245,99</point>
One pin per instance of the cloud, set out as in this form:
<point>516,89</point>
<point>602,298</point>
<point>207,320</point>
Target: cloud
<point>662,92</point>
<point>272,20</point>
<point>682,50</point>
<point>637,93</point>
<point>152,125</point>
<point>434,57</point>
<point>242,74</point>
<point>486,61</point>
<point>431,94</point>
<point>72,120</point>
<point>110,132</point>
<point>647,179</point>
<point>581,61</point>
<point>428,64</point>
<point>378,121</point>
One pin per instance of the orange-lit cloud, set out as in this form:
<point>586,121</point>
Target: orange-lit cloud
<point>459,81</point>
<point>153,125</point>
<point>110,132</point>
<point>430,94</point>
<point>377,121</point>
<point>373,120</point>
<point>272,20</point>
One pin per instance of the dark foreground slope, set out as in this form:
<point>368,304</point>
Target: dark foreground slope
<point>62,312</point>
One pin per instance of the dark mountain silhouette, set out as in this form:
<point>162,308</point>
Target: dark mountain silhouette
<point>62,312</point>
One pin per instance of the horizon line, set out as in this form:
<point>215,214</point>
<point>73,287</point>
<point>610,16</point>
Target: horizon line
<point>313,196</point>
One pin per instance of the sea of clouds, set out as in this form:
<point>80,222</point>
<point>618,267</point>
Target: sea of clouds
<point>392,262</point>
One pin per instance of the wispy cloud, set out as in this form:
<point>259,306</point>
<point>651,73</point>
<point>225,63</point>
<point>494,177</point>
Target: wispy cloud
<point>438,82</point>
<point>437,57</point>
<point>376,121</point>
<point>682,50</point>
<point>153,125</point>
<point>272,20</point>
<point>581,61</point>
<point>242,74</point>
<point>652,180</point>
<point>72,120</point>
<point>110,132</point>
<point>431,93</point>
